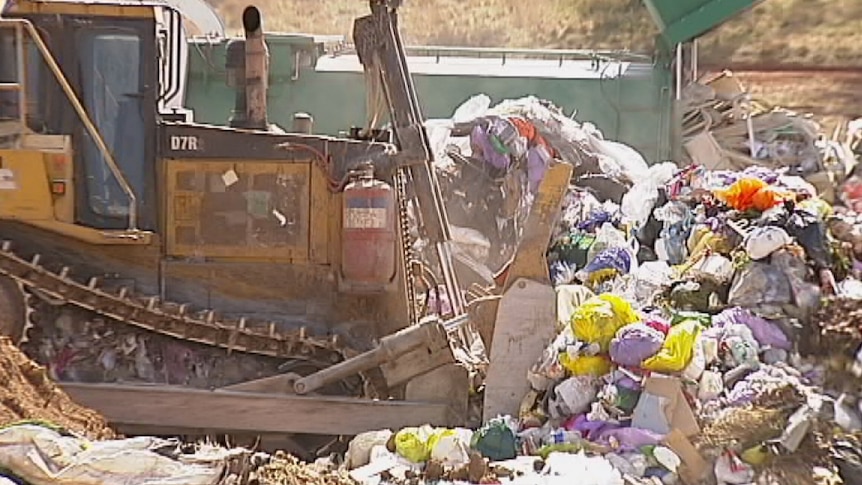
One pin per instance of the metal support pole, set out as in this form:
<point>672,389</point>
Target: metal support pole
<point>22,78</point>
<point>695,61</point>
<point>678,72</point>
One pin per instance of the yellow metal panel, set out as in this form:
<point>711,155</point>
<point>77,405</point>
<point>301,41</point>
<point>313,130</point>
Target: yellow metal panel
<point>25,190</point>
<point>236,209</point>
<point>59,164</point>
<point>25,195</point>
<point>321,200</point>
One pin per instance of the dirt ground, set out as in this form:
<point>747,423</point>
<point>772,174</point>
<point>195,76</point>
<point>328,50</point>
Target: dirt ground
<point>828,95</point>
<point>28,394</point>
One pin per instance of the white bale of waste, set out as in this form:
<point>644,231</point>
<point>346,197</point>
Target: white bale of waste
<point>359,450</point>
<point>42,456</point>
<point>472,242</point>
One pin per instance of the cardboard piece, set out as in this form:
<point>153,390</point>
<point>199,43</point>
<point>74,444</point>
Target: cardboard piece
<point>694,468</point>
<point>662,408</point>
<point>705,150</point>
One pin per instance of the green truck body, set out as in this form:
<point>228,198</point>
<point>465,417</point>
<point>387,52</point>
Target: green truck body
<point>629,97</point>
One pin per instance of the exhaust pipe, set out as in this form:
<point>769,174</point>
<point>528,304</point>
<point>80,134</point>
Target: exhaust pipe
<point>247,67</point>
<point>256,68</point>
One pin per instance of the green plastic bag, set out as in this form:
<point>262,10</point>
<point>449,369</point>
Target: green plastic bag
<point>495,441</point>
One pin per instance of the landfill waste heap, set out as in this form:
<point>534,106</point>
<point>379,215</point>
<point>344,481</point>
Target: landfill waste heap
<point>45,438</point>
<point>707,325</point>
<point>708,328</point>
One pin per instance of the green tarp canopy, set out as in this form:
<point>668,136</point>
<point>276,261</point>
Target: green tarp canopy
<point>684,20</point>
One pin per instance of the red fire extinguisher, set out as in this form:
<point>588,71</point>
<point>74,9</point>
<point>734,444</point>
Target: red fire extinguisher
<point>369,237</point>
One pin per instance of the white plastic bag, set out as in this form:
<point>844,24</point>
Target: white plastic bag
<point>453,449</point>
<point>730,470</point>
<point>589,470</point>
<point>573,396</point>
<point>711,385</point>
<point>639,202</point>
<point>359,450</point>
<point>607,236</point>
<point>697,364</point>
<point>763,241</point>
<point>714,267</point>
<point>471,109</point>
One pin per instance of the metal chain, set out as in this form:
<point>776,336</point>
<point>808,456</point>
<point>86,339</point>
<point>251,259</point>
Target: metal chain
<point>407,255</point>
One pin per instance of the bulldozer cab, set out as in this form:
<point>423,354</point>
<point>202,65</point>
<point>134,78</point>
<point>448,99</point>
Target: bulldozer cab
<point>105,54</point>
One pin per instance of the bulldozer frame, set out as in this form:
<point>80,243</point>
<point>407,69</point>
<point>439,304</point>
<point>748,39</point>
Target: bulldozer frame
<point>416,358</point>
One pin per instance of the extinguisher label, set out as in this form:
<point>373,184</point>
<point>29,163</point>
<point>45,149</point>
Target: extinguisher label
<point>365,218</point>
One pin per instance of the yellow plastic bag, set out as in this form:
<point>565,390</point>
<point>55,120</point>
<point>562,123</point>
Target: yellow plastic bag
<point>599,318</point>
<point>677,350</point>
<point>597,365</point>
<point>415,443</point>
<point>817,206</point>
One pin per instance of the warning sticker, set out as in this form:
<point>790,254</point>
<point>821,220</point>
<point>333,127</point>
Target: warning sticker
<point>365,218</point>
<point>7,180</point>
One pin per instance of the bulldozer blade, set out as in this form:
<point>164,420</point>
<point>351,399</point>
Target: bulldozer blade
<point>525,324</point>
<point>144,407</point>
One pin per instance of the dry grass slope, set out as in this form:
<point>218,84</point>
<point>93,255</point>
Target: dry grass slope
<point>775,31</point>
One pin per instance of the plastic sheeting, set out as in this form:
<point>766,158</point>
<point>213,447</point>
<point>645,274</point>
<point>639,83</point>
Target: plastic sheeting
<point>42,456</point>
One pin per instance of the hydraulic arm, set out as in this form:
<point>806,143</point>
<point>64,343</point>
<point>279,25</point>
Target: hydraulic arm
<point>381,51</point>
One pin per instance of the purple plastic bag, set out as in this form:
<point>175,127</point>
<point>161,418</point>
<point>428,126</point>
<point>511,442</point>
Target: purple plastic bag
<point>635,343</point>
<point>630,439</point>
<point>480,139</point>
<point>765,332</point>
<point>612,258</point>
<point>591,430</point>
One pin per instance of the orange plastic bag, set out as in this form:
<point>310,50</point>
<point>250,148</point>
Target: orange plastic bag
<point>751,193</point>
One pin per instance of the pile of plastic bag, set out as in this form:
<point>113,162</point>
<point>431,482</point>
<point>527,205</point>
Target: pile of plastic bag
<point>687,304</point>
<point>704,294</point>
<point>491,160</point>
<point>40,453</point>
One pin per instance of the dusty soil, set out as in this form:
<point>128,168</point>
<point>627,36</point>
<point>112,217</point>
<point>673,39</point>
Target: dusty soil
<point>285,469</point>
<point>27,393</point>
<point>829,95</point>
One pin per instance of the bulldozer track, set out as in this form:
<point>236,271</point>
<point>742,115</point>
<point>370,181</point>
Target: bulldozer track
<point>165,318</point>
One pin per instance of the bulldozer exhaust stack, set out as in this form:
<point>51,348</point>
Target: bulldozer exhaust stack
<point>256,68</point>
<point>247,67</point>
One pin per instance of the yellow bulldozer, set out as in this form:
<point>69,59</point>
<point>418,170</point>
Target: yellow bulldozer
<point>192,279</point>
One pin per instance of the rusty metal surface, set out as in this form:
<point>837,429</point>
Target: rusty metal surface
<point>165,318</point>
<point>226,411</point>
<point>238,209</point>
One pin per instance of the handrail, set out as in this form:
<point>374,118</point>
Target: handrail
<point>347,47</point>
<point>602,55</point>
<point>21,79</point>
<point>80,110</point>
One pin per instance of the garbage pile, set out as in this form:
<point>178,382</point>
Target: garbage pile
<point>27,394</point>
<point>47,439</point>
<point>490,161</point>
<point>691,346</point>
<point>725,129</point>
<point>38,454</point>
